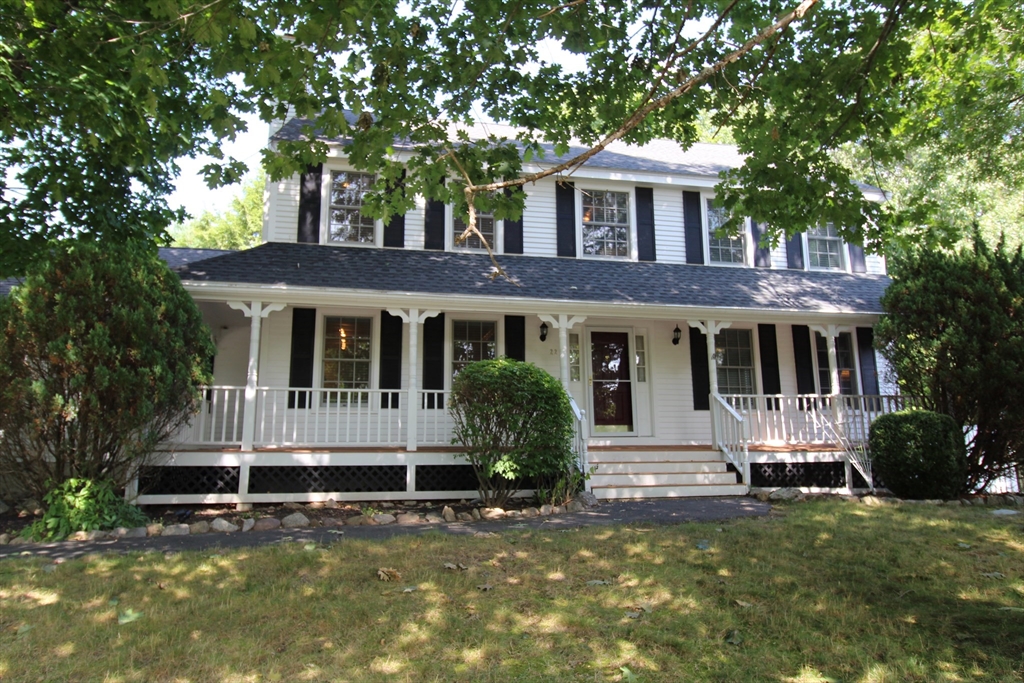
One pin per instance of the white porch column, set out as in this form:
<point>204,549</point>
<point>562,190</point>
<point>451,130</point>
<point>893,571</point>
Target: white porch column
<point>709,329</point>
<point>413,318</point>
<point>830,332</point>
<point>256,312</point>
<point>563,324</point>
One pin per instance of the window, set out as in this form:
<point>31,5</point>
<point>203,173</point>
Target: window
<point>574,357</point>
<point>347,222</point>
<point>824,247</point>
<point>484,223</point>
<point>346,362</point>
<point>734,355</point>
<point>473,340</point>
<point>641,359</point>
<point>844,362</point>
<point>605,223</point>
<point>722,249</point>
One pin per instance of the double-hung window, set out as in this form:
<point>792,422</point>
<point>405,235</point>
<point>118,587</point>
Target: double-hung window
<point>825,247</point>
<point>844,363</point>
<point>734,356</point>
<point>346,359</point>
<point>606,224</point>
<point>347,223</point>
<point>725,249</point>
<point>473,340</point>
<point>484,224</point>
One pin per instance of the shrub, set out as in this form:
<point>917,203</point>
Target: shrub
<point>84,505</point>
<point>102,353</point>
<point>919,454</point>
<point>515,421</point>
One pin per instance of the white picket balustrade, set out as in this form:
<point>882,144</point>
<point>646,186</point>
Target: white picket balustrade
<point>329,417</point>
<point>219,420</point>
<point>433,423</point>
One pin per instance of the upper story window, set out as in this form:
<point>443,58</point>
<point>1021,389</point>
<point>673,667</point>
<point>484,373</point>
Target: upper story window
<point>734,355</point>
<point>346,360</point>
<point>473,340</point>
<point>347,223</point>
<point>484,224</point>
<point>606,225</point>
<point>825,247</point>
<point>725,249</point>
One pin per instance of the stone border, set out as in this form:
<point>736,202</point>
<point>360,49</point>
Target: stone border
<point>296,520</point>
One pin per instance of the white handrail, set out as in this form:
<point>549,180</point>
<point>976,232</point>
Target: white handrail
<point>732,436</point>
<point>579,439</point>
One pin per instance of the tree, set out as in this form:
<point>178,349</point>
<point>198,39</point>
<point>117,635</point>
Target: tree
<point>122,87</point>
<point>240,228</point>
<point>102,353</point>
<point>953,334</point>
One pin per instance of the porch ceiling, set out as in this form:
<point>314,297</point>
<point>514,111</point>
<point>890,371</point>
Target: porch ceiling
<point>537,279</point>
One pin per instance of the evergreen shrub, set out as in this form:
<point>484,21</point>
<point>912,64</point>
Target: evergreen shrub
<point>516,423</point>
<point>919,454</point>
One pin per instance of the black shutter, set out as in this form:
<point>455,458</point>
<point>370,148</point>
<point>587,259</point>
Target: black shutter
<point>866,355</point>
<point>390,358</point>
<point>857,262</point>
<point>762,255</point>
<point>795,252</point>
<point>515,337</point>
<point>433,358</point>
<point>309,205</point>
<point>693,227</point>
<point>514,232</point>
<point>300,370</point>
<point>803,360</point>
<point>394,231</point>
<point>645,224</point>
<point>433,237</point>
<point>769,349</point>
<point>565,218</point>
<point>699,370</point>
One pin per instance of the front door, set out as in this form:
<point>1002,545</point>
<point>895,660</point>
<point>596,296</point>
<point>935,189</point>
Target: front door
<point>611,388</point>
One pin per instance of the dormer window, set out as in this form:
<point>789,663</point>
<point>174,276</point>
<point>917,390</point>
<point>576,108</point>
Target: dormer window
<point>347,223</point>
<point>606,225</point>
<point>727,249</point>
<point>825,248</point>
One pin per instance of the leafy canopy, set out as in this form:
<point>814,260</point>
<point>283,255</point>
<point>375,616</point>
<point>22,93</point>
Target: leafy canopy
<point>98,99</point>
<point>241,227</point>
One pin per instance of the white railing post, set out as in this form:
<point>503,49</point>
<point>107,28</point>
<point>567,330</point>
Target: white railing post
<point>256,312</point>
<point>413,318</point>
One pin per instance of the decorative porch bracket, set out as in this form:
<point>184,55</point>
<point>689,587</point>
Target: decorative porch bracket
<point>709,328</point>
<point>563,324</point>
<point>414,319</point>
<point>256,311</point>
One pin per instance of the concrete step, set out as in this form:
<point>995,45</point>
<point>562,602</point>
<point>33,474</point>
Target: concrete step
<point>655,479</point>
<point>595,455</point>
<point>613,492</point>
<point>715,466</point>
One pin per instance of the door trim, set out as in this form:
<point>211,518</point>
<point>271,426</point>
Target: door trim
<point>588,368</point>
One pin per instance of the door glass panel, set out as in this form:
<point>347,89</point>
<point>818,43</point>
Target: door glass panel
<point>612,390</point>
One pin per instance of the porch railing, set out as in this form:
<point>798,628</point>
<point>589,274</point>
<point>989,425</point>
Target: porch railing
<point>219,420</point>
<point>731,429</point>
<point>579,441</point>
<point>310,417</point>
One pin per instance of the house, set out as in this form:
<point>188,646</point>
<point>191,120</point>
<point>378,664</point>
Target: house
<point>699,364</point>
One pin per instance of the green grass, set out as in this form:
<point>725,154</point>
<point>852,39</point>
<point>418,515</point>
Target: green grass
<point>827,591</point>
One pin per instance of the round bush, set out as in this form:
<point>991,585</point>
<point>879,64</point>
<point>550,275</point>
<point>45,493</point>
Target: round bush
<point>919,454</point>
<point>515,422</point>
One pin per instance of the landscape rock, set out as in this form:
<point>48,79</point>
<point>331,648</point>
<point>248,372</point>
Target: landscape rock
<point>786,494</point>
<point>1003,512</point>
<point>434,518</point>
<point>587,498</point>
<point>359,520</point>
<point>763,496</point>
<point>295,520</point>
<point>94,535</point>
<point>546,510</point>
<point>293,506</point>
<point>492,513</point>
<point>5,539</point>
<point>248,523</point>
<point>202,527</point>
<point>513,514</point>
<point>409,518</point>
<point>558,510</point>
<point>1018,501</point>
<point>266,524</point>
<point>475,513</point>
<point>316,505</point>
<point>410,503</point>
<point>386,505</point>
<point>575,506</point>
<point>175,530</point>
<point>155,529</point>
<point>464,517</point>
<point>134,532</point>
<point>448,514</point>
<point>531,512</point>
<point>331,504</point>
<point>19,540</point>
<point>384,518</point>
<point>872,501</point>
<point>4,507</point>
<point>223,526</point>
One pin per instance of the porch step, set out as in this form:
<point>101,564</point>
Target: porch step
<point>660,479</point>
<point>684,491</point>
<point>653,454</point>
<point>659,467</point>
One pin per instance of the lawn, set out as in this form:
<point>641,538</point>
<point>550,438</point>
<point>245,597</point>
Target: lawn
<point>822,591</point>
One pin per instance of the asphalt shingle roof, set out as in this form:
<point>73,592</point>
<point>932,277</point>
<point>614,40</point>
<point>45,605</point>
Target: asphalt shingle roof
<point>542,278</point>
